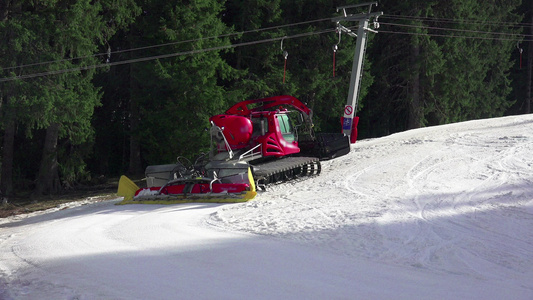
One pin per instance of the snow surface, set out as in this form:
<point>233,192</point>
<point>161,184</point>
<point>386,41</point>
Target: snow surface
<point>442,212</point>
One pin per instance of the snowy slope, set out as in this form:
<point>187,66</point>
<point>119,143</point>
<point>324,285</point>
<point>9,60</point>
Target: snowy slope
<point>442,212</point>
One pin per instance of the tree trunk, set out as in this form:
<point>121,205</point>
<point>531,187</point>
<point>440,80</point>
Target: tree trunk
<point>4,10</point>
<point>414,120</point>
<point>6,179</point>
<point>48,178</point>
<point>135,167</point>
<point>135,147</point>
<point>6,174</point>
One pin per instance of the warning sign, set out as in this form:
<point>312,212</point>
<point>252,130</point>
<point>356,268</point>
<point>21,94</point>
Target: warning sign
<point>348,110</point>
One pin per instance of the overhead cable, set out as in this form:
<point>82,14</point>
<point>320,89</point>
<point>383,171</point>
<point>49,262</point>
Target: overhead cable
<point>175,54</point>
<point>171,43</point>
<point>500,36</point>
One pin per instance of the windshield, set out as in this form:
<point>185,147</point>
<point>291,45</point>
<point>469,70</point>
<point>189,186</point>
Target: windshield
<point>286,128</point>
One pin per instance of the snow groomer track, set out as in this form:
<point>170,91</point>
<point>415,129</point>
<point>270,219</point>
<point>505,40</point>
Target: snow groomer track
<point>286,169</point>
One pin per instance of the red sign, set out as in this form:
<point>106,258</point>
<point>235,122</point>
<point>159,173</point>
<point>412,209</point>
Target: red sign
<point>348,110</point>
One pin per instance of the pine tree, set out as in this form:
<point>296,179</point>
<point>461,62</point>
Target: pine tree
<point>260,66</point>
<point>446,67</point>
<point>167,103</point>
<point>15,36</point>
<point>57,37</point>
<point>405,66</point>
<point>475,82</point>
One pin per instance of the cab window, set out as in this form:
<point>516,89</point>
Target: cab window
<point>286,128</point>
<point>260,126</point>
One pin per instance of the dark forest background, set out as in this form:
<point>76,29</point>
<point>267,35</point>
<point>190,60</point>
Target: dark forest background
<point>94,89</point>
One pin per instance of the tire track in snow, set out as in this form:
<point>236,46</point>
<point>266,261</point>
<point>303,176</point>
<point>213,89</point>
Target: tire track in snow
<point>381,187</point>
<point>454,233</point>
<point>430,203</point>
<point>411,239</point>
<point>523,165</point>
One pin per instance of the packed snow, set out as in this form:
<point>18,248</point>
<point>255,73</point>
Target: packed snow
<point>442,212</point>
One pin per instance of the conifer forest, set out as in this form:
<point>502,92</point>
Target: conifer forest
<point>92,89</point>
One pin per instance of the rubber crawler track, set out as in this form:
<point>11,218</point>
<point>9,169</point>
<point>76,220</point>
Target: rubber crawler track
<point>285,169</point>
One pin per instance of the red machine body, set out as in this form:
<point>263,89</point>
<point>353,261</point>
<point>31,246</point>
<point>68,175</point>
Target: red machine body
<point>201,188</point>
<point>237,129</point>
<point>264,122</point>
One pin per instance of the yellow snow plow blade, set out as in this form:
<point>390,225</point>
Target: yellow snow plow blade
<point>127,189</point>
<point>194,198</point>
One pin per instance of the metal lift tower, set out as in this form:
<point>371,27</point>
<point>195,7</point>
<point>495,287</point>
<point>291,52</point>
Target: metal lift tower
<point>349,126</point>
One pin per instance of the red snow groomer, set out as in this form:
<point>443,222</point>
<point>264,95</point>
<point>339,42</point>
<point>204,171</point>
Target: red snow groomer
<point>254,144</point>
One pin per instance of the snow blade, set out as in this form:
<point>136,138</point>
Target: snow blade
<point>333,145</point>
<point>191,190</point>
<point>126,188</point>
<point>326,146</point>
